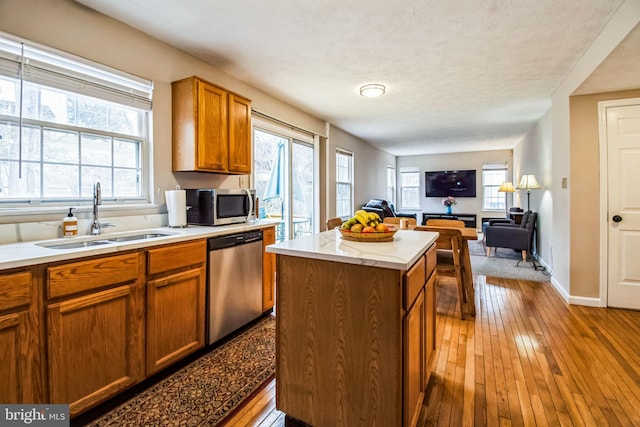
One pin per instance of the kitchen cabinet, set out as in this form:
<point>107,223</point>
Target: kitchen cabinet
<point>268,269</point>
<point>95,329</point>
<point>175,302</point>
<point>19,343</point>
<point>211,128</point>
<point>355,342</point>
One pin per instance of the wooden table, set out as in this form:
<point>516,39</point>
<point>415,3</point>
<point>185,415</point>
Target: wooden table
<point>468,233</point>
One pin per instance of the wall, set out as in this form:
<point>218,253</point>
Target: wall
<point>454,161</point>
<point>369,169</point>
<point>532,155</point>
<point>585,195</point>
<point>563,241</point>
<point>70,27</point>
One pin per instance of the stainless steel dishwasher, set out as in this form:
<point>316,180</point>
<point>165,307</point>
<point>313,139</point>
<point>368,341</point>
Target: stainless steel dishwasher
<point>234,283</point>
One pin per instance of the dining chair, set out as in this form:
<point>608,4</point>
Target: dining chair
<point>446,223</point>
<point>449,262</point>
<point>395,220</point>
<point>333,223</point>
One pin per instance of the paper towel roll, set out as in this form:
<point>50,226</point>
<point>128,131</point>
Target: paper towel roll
<point>177,207</point>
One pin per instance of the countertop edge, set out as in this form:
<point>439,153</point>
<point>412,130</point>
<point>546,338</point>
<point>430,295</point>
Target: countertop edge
<point>28,254</point>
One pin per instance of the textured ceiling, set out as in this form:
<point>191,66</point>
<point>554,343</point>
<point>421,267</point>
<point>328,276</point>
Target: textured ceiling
<point>461,75</point>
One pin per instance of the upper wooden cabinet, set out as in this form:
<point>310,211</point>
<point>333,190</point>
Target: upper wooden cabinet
<point>211,128</point>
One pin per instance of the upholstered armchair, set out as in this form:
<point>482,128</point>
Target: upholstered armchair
<point>384,209</point>
<point>512,236</point>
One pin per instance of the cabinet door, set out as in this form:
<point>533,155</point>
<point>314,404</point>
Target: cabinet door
<point>239,134</point>
<point>414,333</point>
<point>430,327</point>
<point>175,317</point>
<point>268,269</point>
<point>212,135</point>
<point>95,347</point>
<point>14,369</point>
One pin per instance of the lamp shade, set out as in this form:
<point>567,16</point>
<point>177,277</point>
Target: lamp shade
<point>506,187</point>
<point>528,182</point>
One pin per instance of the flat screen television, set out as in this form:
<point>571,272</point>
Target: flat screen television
<point>450,183</point>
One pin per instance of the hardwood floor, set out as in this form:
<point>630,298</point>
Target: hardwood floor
<point>527,359</point>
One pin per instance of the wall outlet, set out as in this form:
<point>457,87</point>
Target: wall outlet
<point>243,181</point>
<point>564,182</point>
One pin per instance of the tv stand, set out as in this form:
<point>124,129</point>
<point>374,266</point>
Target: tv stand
<point>468,219</point>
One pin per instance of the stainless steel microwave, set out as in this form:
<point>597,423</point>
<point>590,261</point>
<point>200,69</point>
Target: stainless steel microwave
<point>211,206</point>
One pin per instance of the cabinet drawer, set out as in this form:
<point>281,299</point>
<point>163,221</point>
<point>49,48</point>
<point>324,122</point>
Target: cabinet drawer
<point>432,259</point>
<point>15,290</point>
<point>176,256</point>
<point>414,282</point>
<point>76,277</point>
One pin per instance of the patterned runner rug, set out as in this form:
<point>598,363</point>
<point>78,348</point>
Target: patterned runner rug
<point>206,391</point>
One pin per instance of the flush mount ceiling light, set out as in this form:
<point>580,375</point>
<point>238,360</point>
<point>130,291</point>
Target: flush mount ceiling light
<point>372,90</point>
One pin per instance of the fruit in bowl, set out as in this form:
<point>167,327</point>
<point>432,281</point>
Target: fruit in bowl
<point>366,226</point>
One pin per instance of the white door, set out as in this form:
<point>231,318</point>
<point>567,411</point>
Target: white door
<point>623,189</point>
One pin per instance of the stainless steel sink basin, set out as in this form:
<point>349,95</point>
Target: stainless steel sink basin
<point>102,241</point>
<point>137,237</point>
<point>74,245</point>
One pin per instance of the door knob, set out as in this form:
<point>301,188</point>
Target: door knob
<point>616,218</point>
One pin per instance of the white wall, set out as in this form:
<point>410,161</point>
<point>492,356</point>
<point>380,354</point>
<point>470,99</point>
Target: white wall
<point>533,156</point>
<point>454,161</point>
<point>370,169</point>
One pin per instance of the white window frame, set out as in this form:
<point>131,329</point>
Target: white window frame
<point>391,184</point>
<point>409,171</point>
<point>499,198</point>
<point>49,68</point>
<point>349,155</point>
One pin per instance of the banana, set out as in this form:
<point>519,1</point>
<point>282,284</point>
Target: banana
<point>362,217</point>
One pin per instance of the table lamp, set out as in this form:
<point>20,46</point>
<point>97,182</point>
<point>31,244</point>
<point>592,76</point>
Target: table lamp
<point>506,187</point>
<point>528,182</point>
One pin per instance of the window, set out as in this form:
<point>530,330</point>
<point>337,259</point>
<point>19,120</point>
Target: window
<point>66,123</point>
<point>410,189</point>
<point>344,183</point>
<point>493,175</point>
<point>391,184</point>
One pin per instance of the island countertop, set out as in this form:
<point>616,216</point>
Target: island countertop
<point>400,254</point>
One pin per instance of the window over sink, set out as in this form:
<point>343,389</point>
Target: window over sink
<point>65,123</point>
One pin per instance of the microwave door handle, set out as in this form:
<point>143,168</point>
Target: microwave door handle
<point>250,213</point>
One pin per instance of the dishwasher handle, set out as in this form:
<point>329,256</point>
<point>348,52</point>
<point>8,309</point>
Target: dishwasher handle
<point>230,240</point>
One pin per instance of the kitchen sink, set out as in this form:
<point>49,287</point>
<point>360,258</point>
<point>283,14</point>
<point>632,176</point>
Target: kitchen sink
<point>74,245</point>
<point>137,237</point>
<point>102,241</point>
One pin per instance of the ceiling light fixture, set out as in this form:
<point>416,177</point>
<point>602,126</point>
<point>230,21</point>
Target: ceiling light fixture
<point>372,90</point>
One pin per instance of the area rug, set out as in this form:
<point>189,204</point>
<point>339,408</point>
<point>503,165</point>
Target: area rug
<point>502,264</point>
<point>206,391</point>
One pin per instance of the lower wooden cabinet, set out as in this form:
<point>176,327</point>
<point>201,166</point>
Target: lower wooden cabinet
<point>175,317</point>
<point>414,360</point>
<point>95,346</point>
<point>175,314</point>
<point>95,340</point>
<point>19,343</point>
<point>268,269</point>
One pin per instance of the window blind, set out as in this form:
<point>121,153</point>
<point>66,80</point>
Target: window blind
<point>56,69</point>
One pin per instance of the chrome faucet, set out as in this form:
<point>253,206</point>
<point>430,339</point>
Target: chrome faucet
<point>97,200</point>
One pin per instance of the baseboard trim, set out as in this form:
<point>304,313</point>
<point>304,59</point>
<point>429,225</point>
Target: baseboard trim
<point>558,287</point>
<point>585,301</point>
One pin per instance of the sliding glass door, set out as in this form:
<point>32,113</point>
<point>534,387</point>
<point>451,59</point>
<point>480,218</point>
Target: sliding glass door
<point>283,172</point>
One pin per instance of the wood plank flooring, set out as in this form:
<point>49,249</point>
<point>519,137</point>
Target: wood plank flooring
<point>526,359</point>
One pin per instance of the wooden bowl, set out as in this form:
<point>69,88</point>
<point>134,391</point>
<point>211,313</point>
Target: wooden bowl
<point>376,236</point>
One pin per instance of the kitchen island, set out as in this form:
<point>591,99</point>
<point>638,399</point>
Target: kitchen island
<point>355,328</point>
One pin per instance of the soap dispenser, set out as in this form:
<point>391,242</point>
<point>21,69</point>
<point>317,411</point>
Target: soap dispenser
<point>70,225</point>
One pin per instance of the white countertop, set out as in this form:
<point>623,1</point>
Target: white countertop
<point>23,254</point>
<point>400,254</point>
